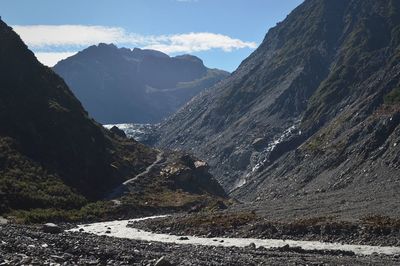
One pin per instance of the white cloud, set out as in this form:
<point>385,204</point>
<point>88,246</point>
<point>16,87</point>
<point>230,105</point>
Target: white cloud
<point>52,43</point>
<point>40,36</point>
<point>52,58</point>
<point>196,42</point>
<point>48,37</point>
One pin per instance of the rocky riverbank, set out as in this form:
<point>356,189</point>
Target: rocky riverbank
<point>29,245</point>
<point>374,230</point>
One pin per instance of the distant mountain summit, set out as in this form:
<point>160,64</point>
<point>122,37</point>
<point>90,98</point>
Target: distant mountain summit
<point>312,116</point>
<point>120,85</point>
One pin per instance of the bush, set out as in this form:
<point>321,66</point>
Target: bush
<point>393,97</point>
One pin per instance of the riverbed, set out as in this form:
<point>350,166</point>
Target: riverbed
<point>120,229</point>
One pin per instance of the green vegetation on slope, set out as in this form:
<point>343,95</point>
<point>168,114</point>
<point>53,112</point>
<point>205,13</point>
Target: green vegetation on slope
<point>371,34</point>
<point>52,155</point>
<point>393,97</point>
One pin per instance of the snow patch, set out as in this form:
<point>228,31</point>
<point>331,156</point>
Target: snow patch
<point>264,157</point>
<point>135,131</point>
<point>240,182</point>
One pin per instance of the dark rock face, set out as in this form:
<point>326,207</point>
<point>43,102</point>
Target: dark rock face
<point>134,86</point>
<point>191,175</point>
<point>52,155</point>
<point>118,132</point>
<point>313,110</point>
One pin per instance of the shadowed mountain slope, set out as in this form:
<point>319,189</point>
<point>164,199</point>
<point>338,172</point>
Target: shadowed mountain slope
<point>52,153</point>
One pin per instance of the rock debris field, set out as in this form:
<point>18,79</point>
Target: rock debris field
<point>29,245</point>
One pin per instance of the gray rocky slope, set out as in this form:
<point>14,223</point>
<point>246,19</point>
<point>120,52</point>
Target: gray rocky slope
<point>120,85</point>
<point>311,117</point>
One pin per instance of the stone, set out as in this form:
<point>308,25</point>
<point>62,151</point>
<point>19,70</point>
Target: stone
<point>201,165</point>
<point>252,246</point>
<point>57,258</point>
<point>285,248</point>
<point>51,228</point>
<point>163,262</point>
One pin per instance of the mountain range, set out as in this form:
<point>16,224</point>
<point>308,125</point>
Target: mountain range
<point>54,158</point>
<point>120,85</point>
<point>294,158</point>
<point>311,118</point>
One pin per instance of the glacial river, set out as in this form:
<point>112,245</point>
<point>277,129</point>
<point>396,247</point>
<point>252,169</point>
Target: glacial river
<point>119,229</point>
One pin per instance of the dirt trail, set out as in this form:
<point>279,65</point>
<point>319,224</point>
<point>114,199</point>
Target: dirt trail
<point>160,157</point>
<point>123,187</point>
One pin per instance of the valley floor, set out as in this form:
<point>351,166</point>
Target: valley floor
<point>28,245</point>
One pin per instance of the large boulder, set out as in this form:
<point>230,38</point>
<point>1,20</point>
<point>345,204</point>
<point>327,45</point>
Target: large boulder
<point>201,165</point>
<point>52,228</point>
<point>3,220</point>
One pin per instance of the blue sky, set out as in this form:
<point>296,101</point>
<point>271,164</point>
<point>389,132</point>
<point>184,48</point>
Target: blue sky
<point>221,32</point>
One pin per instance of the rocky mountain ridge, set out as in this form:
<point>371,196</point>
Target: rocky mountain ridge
<point>120,85</point>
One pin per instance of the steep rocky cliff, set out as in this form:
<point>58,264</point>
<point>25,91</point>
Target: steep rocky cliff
<point>312,113</point>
